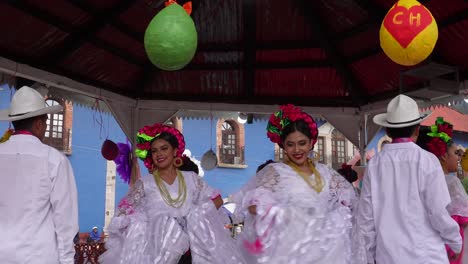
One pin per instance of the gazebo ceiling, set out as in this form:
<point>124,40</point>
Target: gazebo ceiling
<point>311,53</point>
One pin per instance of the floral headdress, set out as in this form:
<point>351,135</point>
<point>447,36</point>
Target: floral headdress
<point>285,116</point>
<point>441,133</point>
<point>146,134</point>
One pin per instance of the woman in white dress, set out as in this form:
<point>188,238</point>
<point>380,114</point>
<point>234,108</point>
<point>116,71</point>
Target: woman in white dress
<point>170,213</point>
<point>437,139</point>
<point>297,211</point>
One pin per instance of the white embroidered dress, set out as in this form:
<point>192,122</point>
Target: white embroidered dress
<point>459,199</point>
<point>150,231</point>
<point>294,223</point>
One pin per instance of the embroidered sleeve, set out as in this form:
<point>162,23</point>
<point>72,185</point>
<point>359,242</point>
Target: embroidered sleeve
<point>262,192</point>
<point>341,191</point>
<point>268,179</point>
<point>133,199</point>
<point>202,190</point>
<point>459,199</point>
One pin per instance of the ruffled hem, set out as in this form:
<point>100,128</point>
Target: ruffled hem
<point>288,235</point>
<point>149,239</point>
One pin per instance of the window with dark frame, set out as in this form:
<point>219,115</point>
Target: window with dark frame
<point>338,143</point>
<point>54,123</point>
<point>229,143</point>
<point>320,148</point>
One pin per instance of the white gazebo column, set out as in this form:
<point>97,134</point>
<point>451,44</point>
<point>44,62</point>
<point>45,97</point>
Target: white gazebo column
<point>110,193</point>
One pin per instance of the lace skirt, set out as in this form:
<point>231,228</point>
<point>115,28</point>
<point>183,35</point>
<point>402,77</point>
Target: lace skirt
<point>140,238</point>
<point>290,235</point>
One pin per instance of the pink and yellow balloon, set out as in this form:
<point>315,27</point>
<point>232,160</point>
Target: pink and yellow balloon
<point>408,33</point>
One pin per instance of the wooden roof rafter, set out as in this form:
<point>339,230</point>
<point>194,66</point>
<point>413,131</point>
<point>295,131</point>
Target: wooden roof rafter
<point>352,86</point>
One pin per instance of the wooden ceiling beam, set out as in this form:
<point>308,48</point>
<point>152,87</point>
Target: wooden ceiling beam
<point>115,21</point>
<point>376,15</point>
<point>55,55</point>
<point>79,37</point>
<point>319,29</point>
<point>249,12</point>
<point>60,71</point>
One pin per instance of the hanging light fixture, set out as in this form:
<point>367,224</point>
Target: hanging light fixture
<point>242,118</point>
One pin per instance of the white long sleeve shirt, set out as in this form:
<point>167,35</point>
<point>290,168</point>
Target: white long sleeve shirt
<point>38,203</point>
<point>402,212</point>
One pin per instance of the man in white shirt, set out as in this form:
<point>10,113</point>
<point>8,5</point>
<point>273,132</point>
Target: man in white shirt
<point>38,197</point>
<point>402,212</point>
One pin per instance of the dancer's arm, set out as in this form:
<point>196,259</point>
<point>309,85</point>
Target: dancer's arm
<point>435,197</point>
<point>365,218</point>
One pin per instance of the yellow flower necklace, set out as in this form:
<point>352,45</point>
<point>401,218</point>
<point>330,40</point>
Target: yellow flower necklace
<point>166,195</point>
<point>318,186</point>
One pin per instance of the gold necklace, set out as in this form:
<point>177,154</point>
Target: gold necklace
<point>166,195</point>
<point>318,186</point>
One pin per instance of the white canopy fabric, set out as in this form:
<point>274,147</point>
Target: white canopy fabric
<point>355,123</point>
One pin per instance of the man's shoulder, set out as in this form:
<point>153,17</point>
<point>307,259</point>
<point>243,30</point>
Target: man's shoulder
<point>53,153</point>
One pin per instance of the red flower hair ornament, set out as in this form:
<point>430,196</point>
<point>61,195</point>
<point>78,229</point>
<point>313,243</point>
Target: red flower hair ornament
<point>146,134</point>
<point>285,116</point>
<point>441,133</point>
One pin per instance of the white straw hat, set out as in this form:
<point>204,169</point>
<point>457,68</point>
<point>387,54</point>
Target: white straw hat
<point>27,103</point>
<point>402,111</point>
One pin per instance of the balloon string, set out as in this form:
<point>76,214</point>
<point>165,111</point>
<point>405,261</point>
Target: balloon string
<point>211,130</point>
<point>96,120</point>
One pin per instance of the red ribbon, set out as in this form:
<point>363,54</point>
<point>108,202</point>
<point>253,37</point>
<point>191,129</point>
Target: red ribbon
<point>187,6</point>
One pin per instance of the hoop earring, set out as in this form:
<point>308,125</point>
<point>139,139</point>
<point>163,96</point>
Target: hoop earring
<point>315,156</point>
<point>178,162</point>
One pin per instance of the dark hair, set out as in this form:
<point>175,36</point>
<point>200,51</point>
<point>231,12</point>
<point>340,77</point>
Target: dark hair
<point>26,124</point>
<point>169,138</point>
<point>264,164</point>
<point>401,132</point>
<point>424,138</point>
<point>298,125</point>
<point>188,165</point>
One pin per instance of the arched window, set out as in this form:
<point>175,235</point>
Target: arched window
<point>230,140</point>
<point>320,149</point>
<point>59,127</point>
<point>229,146</point>
<point>338,144</point>
<point>54,123</point>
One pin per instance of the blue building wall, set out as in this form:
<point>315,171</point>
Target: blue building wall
<point>90,167</point>
<point>258,149</point>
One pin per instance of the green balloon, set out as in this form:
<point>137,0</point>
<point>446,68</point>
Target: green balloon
<point>171,38</point>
